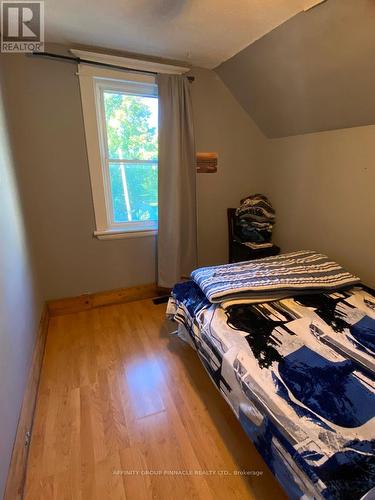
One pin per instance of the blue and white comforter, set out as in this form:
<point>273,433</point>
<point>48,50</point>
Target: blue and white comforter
<point>299,374</point>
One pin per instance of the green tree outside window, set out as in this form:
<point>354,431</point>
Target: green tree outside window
<point>131,123</point>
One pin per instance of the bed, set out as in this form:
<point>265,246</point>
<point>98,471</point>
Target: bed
<point>297,367</point>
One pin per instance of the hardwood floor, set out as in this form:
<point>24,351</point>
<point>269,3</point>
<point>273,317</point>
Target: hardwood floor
<point>121,402</point>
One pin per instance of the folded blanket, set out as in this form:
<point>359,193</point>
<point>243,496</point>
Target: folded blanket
<point>256,246</point>
<point>281,276</point>
<point>256,205</point>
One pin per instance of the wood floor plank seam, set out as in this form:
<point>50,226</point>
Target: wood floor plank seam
<point>102,369</point>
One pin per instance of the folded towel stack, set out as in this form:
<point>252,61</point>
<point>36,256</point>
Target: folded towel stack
<point>254,221</point>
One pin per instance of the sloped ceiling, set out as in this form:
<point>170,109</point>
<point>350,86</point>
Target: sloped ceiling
<point>313,73</point>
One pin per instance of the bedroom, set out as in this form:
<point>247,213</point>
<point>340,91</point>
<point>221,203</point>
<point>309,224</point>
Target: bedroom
<point>99,398</point>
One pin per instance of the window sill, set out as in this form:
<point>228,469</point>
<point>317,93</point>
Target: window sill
<point>123,233</point>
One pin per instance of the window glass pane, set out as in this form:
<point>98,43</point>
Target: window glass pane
<point>132,123</point>
<point>134,190</point>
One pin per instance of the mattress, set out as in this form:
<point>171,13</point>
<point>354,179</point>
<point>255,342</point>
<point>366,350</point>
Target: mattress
<point>299,375</point>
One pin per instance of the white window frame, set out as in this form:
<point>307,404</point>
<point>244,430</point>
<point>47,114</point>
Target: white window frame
<point>93,81</point>
<point>88,75</point>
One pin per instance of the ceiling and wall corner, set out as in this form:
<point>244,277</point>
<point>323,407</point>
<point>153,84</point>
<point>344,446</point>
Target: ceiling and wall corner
<point>202,33</point>
<point>315,72</point>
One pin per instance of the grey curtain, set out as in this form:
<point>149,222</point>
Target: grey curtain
<point>177,234</point>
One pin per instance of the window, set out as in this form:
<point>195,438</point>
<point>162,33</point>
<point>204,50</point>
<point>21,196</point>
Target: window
<point>129,144</point>
<point>120,112</point>
<point>121,123</point>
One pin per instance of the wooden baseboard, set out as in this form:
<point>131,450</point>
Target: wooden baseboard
<point>93,300</point>
<point>17,469</point>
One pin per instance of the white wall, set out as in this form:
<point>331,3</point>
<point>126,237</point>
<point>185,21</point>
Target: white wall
<point>20,303</point>
<point>322,186</point>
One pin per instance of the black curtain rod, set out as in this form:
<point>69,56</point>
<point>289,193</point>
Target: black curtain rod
<point>106,65</point>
